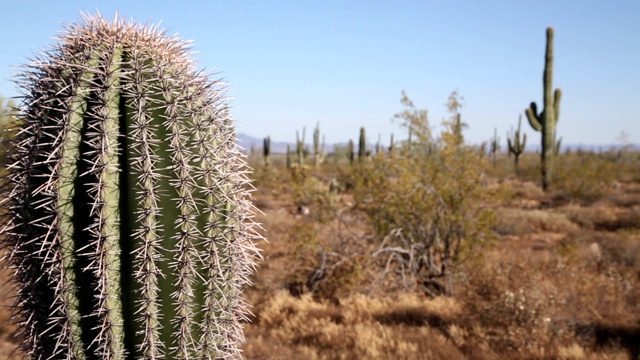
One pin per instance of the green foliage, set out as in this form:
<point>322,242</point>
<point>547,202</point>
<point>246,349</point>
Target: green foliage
<point>546,120</point>
<point>128,221</point>
<point>584,177</point>
<point>428,204</point>
<point>415,120</point>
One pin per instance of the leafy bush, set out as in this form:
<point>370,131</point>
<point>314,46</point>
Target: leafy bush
<point>426,202</point>
<point>583,177</point>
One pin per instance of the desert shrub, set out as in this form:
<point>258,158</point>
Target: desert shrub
<point>521,222</point>
<point>271,178</point>
<point>316,193</point>
<point>510,306</point>
<point>426,203</point>
<point>589,217</point>
<point>583,177</point>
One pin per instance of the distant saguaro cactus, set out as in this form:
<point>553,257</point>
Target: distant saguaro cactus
<point>289,161</point>
<point>362,145</point>
<point>127,218</point>
<point>350,151</point>
<point>300,150</point>
<point>495,145</point>
<point>266,150</point>
<point>516,146</point>
<point>546,121</point>
<point>318,147</point>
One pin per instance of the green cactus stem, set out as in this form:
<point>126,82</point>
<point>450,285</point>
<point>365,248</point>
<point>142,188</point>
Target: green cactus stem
<point>266,150</point>
<point>127,215</point>
<point>318,146</point>
<point>557,147</point>
<point>362,145</point>
<point>300,150</point>
<point>517,143</point>
<point>546,121</point>
<point>391,145</point>
<point>351,151</point>
<point>494,146</point>
<point>289,161</point>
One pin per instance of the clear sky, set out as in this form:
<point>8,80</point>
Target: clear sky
<point>344,64</point>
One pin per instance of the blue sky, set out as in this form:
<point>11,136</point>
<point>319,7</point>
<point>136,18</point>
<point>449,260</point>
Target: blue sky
<point>344,63</point>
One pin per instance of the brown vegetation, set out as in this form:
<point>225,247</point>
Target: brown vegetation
<point>555,277</point>
<point>559,279</point>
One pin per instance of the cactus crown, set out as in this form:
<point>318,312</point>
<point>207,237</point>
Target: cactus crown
<point>127,215</point>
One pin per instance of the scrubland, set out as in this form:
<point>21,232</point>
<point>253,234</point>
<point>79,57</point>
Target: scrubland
<point>556,276</point>
<point>535,275</point>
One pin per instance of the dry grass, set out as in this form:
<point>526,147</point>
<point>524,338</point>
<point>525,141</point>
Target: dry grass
<point>358,328</point>
<point>519,222</point>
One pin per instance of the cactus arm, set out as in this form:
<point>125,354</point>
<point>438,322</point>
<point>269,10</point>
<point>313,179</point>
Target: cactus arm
<point>532,116</point>
<point>556,103</point>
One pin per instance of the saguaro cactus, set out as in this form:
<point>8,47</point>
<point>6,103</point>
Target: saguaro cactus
<point>516,147</point>
<point>300,150</point>
<point>495,145</point>
<point>266,150</point>
<point>318,147</point>
<point>351,152</point>
<point>128,221</point>
<point>362,145</point>
<point>546,121</point>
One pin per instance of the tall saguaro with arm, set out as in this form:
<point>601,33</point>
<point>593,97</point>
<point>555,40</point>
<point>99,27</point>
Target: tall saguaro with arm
<point>546,121</point>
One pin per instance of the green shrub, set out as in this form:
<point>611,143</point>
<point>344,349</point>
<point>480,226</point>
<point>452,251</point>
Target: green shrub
<point>583,177</point>
<point>426,203</point>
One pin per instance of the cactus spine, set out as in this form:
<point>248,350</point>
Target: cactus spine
<point>127,219</point>
<point>516,147</point>
<point>546,121</point>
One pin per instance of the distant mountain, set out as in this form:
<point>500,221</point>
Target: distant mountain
<point>247,141</point>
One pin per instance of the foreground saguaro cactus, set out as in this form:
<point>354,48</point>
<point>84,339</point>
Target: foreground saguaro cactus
<point>128,221</point>
<point>546,121</point>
